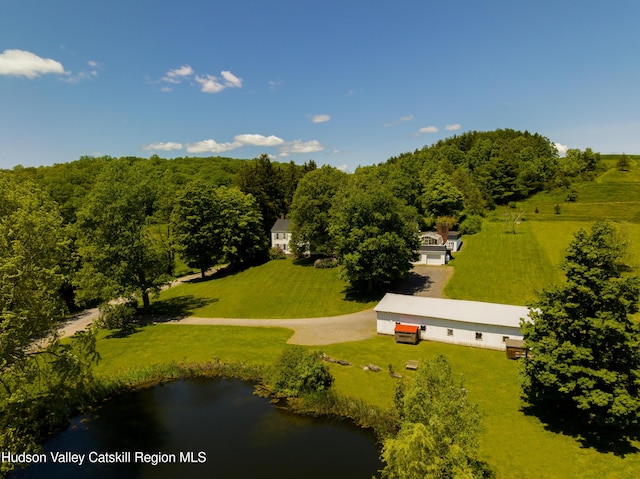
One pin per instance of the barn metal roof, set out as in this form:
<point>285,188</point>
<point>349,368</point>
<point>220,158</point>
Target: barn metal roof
<point>453,309</point>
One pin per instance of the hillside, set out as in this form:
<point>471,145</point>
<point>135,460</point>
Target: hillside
<point>498,266</point>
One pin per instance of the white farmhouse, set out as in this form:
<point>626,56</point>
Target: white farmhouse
<point>280,235</point>
<point>468,323</point>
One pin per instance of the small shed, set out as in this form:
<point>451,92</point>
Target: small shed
<point>407,333</point>
<point>515,348</point>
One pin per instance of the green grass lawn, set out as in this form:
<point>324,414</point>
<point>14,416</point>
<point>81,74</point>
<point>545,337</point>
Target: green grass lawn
<point>277,289</point>
<point>515,444</point>
<point>501,267</point>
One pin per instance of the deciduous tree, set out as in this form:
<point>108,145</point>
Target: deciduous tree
<point>311,207</point>
<point>120,256</point>
<point>375,234</point>
<point>439,428</point>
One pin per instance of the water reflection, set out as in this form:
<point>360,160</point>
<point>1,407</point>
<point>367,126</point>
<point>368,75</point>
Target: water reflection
<point>240,434</point>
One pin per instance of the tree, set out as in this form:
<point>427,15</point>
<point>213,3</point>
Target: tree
<point>216,225</point>
<point>120,256</point>
<point>375,234</point>
<point>439,428</point>
<point>623,163</point>
<point>34,248</point>
<point>194,222</point>
<point>585,357</point>
<point>441,198</point>
<point>239,223</point>
<point>41,379</point>
<point>264,181</point>
<point>310,210</point>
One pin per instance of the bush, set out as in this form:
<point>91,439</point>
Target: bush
<point>117,316</point>
<point>471,225</point>
<point>276,253</point>
<point>325,263</point>
<point>298,372</point>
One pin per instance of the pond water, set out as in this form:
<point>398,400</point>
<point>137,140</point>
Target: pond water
<point>204,428</point>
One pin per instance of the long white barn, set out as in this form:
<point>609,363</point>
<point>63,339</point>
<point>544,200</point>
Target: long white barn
<point>469,323</point>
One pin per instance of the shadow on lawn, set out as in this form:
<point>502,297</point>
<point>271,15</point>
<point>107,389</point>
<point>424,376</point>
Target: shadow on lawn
<point>174,308</point>
<point>359,294</point>
<point>600,439</point>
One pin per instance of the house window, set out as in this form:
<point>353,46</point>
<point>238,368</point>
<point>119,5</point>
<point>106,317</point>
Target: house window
<point>504,339</point>
<point>277,235</point>
<point>449,332</point>
<point>478,336</point>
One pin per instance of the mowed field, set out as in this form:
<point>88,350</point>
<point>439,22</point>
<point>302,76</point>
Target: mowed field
<point>277,289</point>
<point>498,266</point>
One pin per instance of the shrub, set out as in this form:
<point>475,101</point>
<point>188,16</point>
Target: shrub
<point>298,372</point>
<point>471,225</point>
<point>117,316</point>
<point>276,253</point>
<point>325,263</point>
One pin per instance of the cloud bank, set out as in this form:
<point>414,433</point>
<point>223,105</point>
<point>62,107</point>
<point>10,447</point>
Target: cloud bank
<point>285,148</point>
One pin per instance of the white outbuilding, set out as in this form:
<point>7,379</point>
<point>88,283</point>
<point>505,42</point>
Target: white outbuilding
<point>468,323</point>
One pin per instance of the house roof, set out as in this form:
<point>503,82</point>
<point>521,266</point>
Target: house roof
<point>453,309</point>
<point>432,247</point>
<point>453,235</point>
<point>280,225</point>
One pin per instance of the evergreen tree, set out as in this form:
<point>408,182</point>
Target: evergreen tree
<point>584,360</point>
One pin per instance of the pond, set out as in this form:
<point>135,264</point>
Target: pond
<point>204,428</point>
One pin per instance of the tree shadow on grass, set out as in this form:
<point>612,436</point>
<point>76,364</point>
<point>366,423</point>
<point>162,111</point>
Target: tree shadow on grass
<point>587,435</point>
<point>359,294</point>
<point>174,308</point>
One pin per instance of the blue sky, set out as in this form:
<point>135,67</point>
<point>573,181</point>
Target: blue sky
<point>345,83</point>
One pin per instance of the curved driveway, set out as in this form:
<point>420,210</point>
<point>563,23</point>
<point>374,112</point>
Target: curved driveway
<point>424,281</point>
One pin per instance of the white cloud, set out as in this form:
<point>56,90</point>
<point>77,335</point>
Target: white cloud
<point>402,119</point>
<point>177,75</point>
<point>562,149</point>
<point>27,64</point>
<point>167,146</point>
<point>299,146</point>
<point>258,140</point>
<point>211,146</point>
<point>428,129</point>
<point>231,80</point>
<point>320,118</point>
<point>344,168</point>
<point>453,127</point>
<point>212,84</point>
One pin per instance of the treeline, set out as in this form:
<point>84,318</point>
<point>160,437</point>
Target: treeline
<point>69,183</point>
